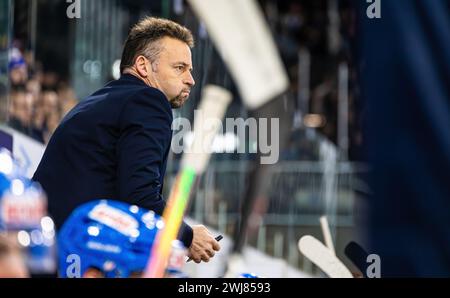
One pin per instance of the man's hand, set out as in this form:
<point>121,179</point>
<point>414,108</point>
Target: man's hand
<point>203,245</point>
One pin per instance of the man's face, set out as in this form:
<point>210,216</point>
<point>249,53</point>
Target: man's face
<point>172,71</point>
<point>22,106</point>
<point>18,75</point>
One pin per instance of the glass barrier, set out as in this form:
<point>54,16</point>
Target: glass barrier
<point>5,40</point>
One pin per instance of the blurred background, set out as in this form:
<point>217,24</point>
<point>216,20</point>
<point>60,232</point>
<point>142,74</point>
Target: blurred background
<point>48,63</point>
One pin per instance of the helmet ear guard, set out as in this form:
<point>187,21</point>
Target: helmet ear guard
<point>112,237</point>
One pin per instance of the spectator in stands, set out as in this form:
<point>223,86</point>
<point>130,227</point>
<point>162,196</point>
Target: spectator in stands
<point>18,72</point>
<point>21,109</point>
<point>67,98</point>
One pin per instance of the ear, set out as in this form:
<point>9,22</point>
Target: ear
<point>142,66</point>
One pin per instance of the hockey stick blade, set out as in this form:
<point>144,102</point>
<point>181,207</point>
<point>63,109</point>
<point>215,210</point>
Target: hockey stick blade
<point>358,256</point>
<point>322,257</point>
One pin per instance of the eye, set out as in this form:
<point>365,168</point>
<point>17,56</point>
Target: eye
<point>180,67</point>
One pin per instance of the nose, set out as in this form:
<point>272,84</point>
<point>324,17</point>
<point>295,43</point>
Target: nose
<point>189,80</point>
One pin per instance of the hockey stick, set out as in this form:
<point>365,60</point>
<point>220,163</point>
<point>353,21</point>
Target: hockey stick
<point>327,234</point>
<point>358,256</point>
<point>194,162</point>
<point>244,41</point>
<point>323,257</point>
<point>242,37</point>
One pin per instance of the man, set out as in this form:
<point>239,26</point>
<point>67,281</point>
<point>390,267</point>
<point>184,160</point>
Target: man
<point>21,109</point>
<point>114,145</point>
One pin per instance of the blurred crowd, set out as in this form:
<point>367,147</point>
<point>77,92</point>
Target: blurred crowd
<point>330,42</point>
<point>38,100</point>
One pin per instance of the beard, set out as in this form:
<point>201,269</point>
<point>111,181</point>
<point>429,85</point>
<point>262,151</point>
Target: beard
<point>178,101</point>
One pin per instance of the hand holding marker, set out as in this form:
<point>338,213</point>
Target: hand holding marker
<point>218,238</point>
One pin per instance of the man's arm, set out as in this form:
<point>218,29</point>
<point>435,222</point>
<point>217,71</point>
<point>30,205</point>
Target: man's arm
<point>144,138</point>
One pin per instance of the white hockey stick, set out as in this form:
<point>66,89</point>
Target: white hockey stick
<point>243,39</point>
<point>214,104</point>
<point>323,258</point>
<point>326,233</point>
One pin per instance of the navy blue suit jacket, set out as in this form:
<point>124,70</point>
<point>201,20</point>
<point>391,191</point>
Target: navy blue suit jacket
<point>113,145</point>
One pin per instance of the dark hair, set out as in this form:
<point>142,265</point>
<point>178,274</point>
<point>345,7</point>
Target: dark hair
<point>144,36</point>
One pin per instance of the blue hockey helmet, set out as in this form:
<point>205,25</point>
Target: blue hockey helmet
<point>4,184</point>
<point>6,168</point>
<point>113,237</point>
<point>23,203</point>
<point>248,275</point>
<point>23,212</point>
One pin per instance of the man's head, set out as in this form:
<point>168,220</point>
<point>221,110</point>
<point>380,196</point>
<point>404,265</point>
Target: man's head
<point>158,51</point>
<point>21,105</point>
